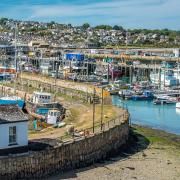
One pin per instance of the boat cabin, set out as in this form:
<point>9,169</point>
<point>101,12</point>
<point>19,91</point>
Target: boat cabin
<point>53,116</point>
<point>41,98</point>
<point>13,129</point>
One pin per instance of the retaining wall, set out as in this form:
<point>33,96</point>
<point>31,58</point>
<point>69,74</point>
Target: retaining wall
<point>70,155</point>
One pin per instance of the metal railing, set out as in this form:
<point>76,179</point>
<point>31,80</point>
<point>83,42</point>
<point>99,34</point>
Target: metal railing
<point>98,128</point>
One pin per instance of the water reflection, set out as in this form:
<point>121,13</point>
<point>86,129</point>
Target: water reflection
<point>178,111</point>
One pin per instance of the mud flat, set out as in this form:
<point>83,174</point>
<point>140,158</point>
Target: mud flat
<point>152,154</point>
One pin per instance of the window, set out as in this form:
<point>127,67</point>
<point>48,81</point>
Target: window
<point>12,135</point>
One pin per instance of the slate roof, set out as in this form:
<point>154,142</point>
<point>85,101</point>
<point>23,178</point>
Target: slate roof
<point>11,114</point>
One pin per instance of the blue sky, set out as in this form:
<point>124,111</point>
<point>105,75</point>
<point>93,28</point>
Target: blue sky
<point>151,14</point>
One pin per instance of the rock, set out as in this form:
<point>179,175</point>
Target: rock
<point>131,168</point>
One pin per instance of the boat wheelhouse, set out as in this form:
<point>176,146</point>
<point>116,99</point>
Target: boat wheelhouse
<point>41,98</point>
<point>53,116</point>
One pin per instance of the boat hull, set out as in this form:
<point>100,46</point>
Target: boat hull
<point>141,98</point>
<point>20,103</point>
<point>40,111</point>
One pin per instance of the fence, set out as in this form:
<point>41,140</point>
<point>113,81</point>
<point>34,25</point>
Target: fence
<point>98,127</point>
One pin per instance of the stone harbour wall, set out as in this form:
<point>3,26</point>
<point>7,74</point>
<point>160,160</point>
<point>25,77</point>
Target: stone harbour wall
<point>66,156</point>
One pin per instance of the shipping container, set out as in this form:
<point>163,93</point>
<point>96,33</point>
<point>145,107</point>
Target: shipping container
<point>73,56</point>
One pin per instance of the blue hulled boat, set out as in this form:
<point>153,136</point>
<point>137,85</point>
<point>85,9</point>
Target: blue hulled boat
<point>147,95</point>
<point>10,100</point>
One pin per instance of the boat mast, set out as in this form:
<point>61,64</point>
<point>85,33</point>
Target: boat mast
<point>15,57</point>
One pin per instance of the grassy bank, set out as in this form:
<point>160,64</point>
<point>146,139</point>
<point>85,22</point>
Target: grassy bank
<point>158,139</point>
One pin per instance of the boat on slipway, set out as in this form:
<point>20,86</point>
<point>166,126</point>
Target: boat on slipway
<point>40,106</point>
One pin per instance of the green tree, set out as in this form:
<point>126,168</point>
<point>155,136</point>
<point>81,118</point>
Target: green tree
<point>105,27</point>
<point>3,21</point>
<point>85,25</point>
<point>51,24</point>
<point>116,27</point>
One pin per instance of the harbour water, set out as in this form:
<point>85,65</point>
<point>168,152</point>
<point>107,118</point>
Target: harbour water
<point>164,117</point>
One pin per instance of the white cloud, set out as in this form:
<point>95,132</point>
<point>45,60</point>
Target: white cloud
<point>130,13</point>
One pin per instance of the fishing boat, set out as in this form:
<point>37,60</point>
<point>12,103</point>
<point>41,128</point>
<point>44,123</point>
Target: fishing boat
<point>165,99</point>
<point>113,91</point>
<point>10,100</point>
<point>41,106</point>
<point>7,69</point>
<point>126,94</point>
<point>147,95</point>
<point>7,73</point>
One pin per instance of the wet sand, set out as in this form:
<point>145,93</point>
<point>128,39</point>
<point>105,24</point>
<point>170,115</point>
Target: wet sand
<point>156,157</point>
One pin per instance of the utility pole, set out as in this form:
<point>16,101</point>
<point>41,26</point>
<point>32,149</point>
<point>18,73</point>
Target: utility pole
<point>102,107</point>
<point>108,74</point>
<point>94,96</point>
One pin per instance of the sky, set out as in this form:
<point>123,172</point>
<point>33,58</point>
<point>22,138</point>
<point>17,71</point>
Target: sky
<point>150,14</point>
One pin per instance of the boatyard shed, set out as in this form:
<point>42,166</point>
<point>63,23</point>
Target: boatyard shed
<point>13,127</point>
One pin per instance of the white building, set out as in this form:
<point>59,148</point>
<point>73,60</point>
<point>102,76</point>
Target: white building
<point>13,127</point>
<point>176,52</point>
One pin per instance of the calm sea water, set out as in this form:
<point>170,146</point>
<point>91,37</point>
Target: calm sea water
<point>164,117</point>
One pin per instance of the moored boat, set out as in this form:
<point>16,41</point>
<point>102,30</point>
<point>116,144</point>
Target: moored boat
<point>164,99</point>
<point>126,94</point>
<point>11,100</point>
<point>147,95</point>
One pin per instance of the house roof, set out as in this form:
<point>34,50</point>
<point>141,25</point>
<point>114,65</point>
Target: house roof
<point>11,114</point>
